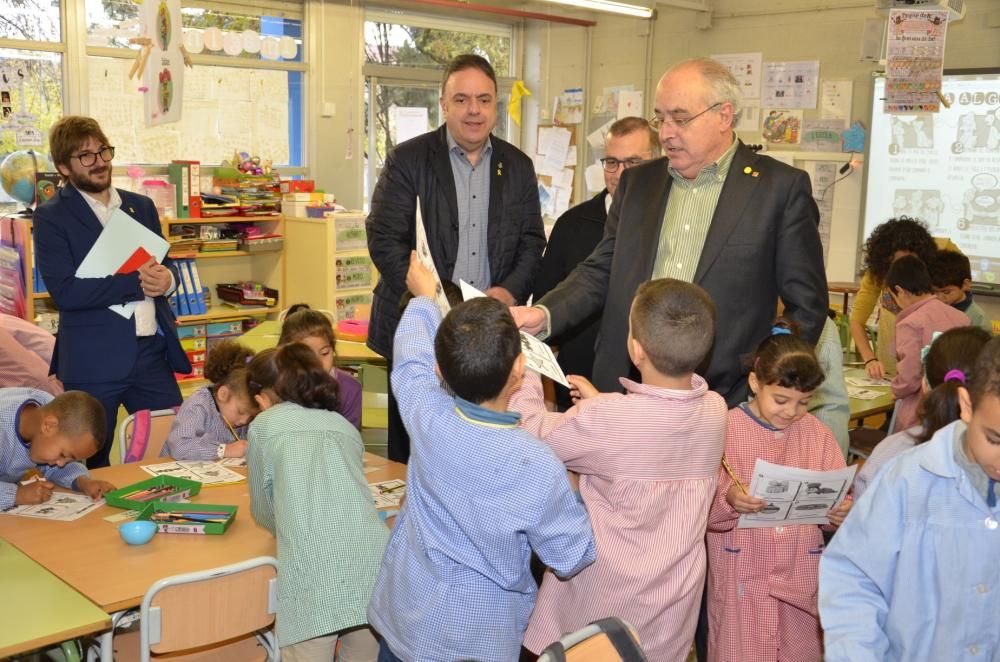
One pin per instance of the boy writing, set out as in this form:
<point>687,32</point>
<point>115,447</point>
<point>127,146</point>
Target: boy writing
<point>648,461</point>
<point>481,493</point>
<point>951,275</point>
<point>48,438</point>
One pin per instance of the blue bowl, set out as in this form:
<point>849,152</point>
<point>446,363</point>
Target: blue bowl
<point>138,532</point>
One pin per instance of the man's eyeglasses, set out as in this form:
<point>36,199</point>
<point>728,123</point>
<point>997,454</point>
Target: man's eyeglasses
<point>611,164</point>
<point>680,122</point>
<point>88,159</point>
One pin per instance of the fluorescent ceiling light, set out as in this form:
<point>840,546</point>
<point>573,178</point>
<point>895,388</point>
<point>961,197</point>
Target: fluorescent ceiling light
<point>609,6</point>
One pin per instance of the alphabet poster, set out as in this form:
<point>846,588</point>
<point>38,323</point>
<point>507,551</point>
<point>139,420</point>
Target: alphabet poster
<point>163,79</point>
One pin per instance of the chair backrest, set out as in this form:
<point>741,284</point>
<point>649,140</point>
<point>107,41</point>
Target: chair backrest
<point>207,607</point>
<point>606,640</point>
<point>143,434</point>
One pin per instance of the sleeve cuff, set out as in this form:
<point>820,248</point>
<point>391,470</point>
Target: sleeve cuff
<point>547,329</point>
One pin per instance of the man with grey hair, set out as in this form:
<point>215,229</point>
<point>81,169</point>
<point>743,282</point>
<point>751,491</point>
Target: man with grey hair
<point>629,142</point>
<point>712,212</point>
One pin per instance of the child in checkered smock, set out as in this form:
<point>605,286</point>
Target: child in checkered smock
<point>762,584</point>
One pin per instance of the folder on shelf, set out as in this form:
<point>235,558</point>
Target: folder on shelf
<point>194,187</point>
<point>199,292</point>
<point>190,294</point>
<point>180,177</point>
<point>181,292</point>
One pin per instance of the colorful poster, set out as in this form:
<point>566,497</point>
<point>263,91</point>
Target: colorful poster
<point>822,135</point>
<point>782,127</point>
<point>915,60</point>
<point>791,84</point>
<point>745,68</point>
<point>163,78</point>
<point>569,107</point>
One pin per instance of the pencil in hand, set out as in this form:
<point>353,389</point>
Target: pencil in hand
<point>732,474</point>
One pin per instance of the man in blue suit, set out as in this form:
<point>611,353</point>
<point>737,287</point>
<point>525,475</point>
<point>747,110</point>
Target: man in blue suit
<point>120,361</point>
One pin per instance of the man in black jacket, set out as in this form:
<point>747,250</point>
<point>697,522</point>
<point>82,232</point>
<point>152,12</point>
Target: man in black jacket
<point>629,142</point>
<point>479,202</point>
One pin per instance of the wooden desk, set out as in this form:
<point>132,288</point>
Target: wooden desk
<point>862,409</point>
<point>38,609</point>
<point>845,288</point>
<point>265,335</point>
<point>91,557</point>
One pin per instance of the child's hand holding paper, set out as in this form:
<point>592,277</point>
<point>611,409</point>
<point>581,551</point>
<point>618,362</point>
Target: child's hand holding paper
<point>419,279</point>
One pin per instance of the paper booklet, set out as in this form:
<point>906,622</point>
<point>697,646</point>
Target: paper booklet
<point>123,247</point>
<point>795,496</point>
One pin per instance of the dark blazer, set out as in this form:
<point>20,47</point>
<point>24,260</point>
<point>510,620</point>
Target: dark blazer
<point>422,167</point>
<point>763,243</point>
<point>574,236</point>
<point>95,344</point>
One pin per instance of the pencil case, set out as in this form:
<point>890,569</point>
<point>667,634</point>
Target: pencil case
<point>132,497</point>
<point>191,518</point>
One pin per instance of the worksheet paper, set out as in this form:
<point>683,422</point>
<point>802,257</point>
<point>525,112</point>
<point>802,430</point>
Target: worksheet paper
<point>795,496</point>
<point>537,355</point>
<point>206,473</point>
<point>745,68</point>
<point>61,507</point>
<point>388,493</point>
<point>791,84</point>
<point>425,258</point>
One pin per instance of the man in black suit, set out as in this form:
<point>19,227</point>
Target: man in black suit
<point>741,225</point>
<point>629,142</point>
<point>479,202</point>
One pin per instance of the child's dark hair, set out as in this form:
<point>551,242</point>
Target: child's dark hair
<point>293,374</point>
<point>79,413</point>
<point>986,375</point>
<point>226,365</point>
<point>296,307</point>
<point>451,291</point>
<point>954,350</point>
<point>674,321</point>
<point>306,323</point>
<point>949,268</point>
<point>896,234</point>
<point>910,273</point>
<point>475,347</point>
<point>785,359</point>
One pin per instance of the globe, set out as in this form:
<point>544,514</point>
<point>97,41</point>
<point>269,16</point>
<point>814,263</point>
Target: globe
<point>17,174</point>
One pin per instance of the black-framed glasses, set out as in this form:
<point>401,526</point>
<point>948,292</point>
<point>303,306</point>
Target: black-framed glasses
<point>680,122</point>
<point>612,164</point>
<point>88,159</point>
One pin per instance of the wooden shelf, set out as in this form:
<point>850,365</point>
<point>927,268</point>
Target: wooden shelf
<point>225,312</point>
<point>41,295</point>
<point>214,220</point>
<point>214,254</point>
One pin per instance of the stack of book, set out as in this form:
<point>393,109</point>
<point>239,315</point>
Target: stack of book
<point>258,195</point>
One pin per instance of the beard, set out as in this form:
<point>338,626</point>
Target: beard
<point>87,182</point>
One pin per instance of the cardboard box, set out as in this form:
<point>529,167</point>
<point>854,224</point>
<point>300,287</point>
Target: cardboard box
<point>297,185</point>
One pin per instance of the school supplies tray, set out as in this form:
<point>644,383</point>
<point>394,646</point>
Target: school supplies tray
<point>194,518</point>
<point>247,294</point>
<point>152,490</point>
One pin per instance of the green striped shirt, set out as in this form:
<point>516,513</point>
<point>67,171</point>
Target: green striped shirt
<point>689,212</point>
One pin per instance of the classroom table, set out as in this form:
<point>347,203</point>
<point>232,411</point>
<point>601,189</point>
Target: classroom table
<point>90,556</point>
<point>862,409</point>
<point>265,335</point>
<point>38,609</point>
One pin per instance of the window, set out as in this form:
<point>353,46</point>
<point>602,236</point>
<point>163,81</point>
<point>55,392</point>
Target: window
<point>245,92</point>
<point>31,20</point>
<point>403,69</point>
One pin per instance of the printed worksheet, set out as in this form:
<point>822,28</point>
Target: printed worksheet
<point>62,507</point>
<point>859,393</point>
<point>537,355</point>
<point>795,496</point>
<point>388,493</point>
<point>425,258</point>
<point>867,382</point>
<point>206,473</point>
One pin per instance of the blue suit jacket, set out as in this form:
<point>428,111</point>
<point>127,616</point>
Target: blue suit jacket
<point>95,344</point>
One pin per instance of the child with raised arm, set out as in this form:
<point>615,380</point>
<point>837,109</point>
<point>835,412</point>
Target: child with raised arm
<point>45,440</point>
<point>648,461</point>
<point>913,573</point>
<point>481,494</point>
<point>212,422</point>
<point>762,582</point>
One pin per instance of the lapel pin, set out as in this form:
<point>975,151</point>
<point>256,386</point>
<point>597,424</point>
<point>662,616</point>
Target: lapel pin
<point>754,174</point>
<point>132,209</point>
<point>747,170</point>
<point>500,169</point>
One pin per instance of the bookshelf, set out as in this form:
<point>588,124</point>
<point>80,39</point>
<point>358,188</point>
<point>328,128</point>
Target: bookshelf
<point>16,231</point>
<point>340,276</point>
